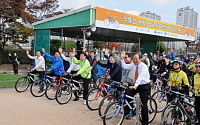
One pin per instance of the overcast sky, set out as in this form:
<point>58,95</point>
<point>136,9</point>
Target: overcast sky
<point>165,8</point>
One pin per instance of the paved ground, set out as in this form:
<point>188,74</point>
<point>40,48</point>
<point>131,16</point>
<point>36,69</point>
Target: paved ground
<point>23,108</point>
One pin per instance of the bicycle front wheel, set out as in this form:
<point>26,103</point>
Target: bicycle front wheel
<point>114,114</point>
<point>161,100</point>
<point>22,84</point>
<point>51,89</point>
<point>93,98</point>
<point>38,88</point>
<point>173,116</point>
<point>105,102</point>
<point>63,94</point>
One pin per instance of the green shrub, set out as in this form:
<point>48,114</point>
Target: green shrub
<point>20,53</point>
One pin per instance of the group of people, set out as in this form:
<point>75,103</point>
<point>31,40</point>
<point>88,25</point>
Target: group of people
<point>131,70</point>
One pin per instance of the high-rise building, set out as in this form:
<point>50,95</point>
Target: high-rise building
<point>187,17</point>
<point>150,15</point>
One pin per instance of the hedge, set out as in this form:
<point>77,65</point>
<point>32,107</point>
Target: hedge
<point>21,53</point>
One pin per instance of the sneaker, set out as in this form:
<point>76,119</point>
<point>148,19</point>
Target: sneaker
<point>76,99</point>
<point>40,91</point>
<point>84,102</point>
<point>128,117</point>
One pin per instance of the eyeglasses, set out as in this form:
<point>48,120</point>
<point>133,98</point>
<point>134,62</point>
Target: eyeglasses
<point>197,66</point>
<point>126,57</point>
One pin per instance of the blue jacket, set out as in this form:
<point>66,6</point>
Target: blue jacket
<point>57,64</point>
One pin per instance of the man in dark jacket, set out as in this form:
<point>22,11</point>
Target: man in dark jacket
<point>115,69</point>
<point>15,62</point>
<point>93,63</point>
<point>79,47</point>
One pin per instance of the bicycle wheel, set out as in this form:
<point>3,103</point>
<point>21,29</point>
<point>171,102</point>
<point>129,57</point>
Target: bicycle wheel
<point>63,94</point>
<point>105,102</point>
<point>166,109</point>
<point>161,99</point>
<point>22,84</point>
<point>114,114</point>
<point>154,88</point>
<point>93,98</point>
<point>51,89</point>
<point>173,116</point>
<point>38,88</point>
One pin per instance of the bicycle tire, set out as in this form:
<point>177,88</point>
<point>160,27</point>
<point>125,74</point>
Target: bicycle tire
<point>94,97</point>
<point>36,87</point>
<point>166,109</point>
<point>154,88</point>
<point>159,98</point>
<point>17,88</point>
<point>103,105</point>
<point>50,91</point>
<point>63,91</point>
<point>171,110</point>
<point>116,106</point>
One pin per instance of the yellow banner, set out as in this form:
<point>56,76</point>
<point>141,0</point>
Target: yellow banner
<point>110,16</point>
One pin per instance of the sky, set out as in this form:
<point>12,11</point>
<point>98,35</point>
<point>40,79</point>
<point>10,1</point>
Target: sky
<point>165,8</point>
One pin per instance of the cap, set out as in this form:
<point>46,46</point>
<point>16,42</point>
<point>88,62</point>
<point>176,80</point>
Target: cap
<point>145,54</point>
<point>191,57</point>
<point>167,57</point>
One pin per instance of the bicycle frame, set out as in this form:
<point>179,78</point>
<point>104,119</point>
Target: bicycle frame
<point>123,99</point>
<point>182,107</point>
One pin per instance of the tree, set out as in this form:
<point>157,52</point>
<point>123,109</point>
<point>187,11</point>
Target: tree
<point>41,9</point>
<point>10,11</point>
<point>162,47</point>
<point>99,44</point>
<point>135,47</point>
<point>69,45</point>
<point>110,45</point>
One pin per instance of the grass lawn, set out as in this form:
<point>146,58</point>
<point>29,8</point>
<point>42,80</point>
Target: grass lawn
<point>7,80</point>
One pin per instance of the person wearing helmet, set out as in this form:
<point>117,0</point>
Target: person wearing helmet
<point>191,64</point>
<point>197,88</point>
<point>178,77</point>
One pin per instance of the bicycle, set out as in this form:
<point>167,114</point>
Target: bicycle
<point>178,110</point>
<point>23,83</point>
<point>94,95</point>
<point>102,77</point>
<point>116,110</point>
<point>161,98</point>
<point>111,20</point>
<point>64,92</point>
<point>156,86</point>
<point>38,88</point>
<point>51,88</point>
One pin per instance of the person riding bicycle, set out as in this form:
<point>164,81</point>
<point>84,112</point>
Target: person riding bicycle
<point>197,88</point>
<point>84,73</point>
<point>141,84</point>
<point>39,65</point>
<point>177,79</point>
<point>191,64</point>
<point>57,67</point>
<point>115,70</point>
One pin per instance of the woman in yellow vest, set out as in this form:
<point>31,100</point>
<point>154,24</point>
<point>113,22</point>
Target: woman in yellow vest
<point>197,88</point>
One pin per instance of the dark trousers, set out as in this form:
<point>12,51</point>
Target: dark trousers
<point>144,92</point>
<point>197,107</point>
<point>85,86</point>
<point>41,74</point>
<point>53,74</point>
<point>15,68</point>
